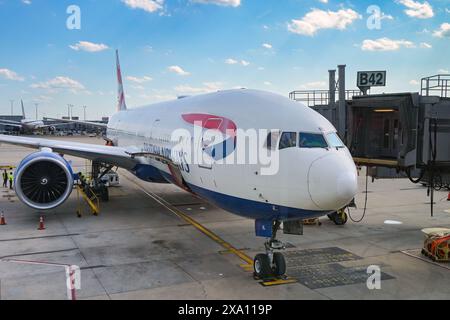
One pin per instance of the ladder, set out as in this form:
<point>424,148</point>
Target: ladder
<point>91,199</point>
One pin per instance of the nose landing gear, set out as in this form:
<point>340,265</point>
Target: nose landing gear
<point>271,263</point>
<point>339,217</point>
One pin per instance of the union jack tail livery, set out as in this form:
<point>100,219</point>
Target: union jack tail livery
<point>121,105</point>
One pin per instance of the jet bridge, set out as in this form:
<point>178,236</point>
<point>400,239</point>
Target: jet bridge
<point>396,134</point>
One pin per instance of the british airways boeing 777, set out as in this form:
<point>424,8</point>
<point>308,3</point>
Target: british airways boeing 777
<point>310,173</point>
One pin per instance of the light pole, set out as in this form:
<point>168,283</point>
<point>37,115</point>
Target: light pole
<point>12,107</point>
<point>84,107</point>
<point>36,105</point>
<point>69,111</point>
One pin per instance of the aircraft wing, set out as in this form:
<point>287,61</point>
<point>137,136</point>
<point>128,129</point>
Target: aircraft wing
<point>116,156</point>
<point>93,124</point>
<point>11,123</point>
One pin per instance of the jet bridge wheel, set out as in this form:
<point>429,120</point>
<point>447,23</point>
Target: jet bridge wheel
<point>262,266</point>
<point>339,217</point>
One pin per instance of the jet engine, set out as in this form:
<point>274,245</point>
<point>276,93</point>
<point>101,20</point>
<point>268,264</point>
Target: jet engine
<point>44,180</point>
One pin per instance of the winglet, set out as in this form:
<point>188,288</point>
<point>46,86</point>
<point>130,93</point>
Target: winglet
<point>121,105</point>
<point>23,109</point>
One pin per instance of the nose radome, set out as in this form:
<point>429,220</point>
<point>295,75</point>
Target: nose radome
<point>332,181</point>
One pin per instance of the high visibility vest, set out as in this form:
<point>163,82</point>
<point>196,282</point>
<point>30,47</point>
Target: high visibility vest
<point>11,176</point>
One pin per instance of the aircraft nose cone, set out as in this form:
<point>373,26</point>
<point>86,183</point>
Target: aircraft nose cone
<point>332,182</point>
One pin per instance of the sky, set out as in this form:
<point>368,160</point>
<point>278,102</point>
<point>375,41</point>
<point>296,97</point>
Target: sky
<point>57,52</point>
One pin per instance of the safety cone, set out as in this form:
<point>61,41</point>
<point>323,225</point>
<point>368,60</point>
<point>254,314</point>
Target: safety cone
<point>2,220</point>
<point>448,197</point>
<point>41,223</point>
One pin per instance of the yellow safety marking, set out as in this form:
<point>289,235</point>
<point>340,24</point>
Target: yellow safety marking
<point>278,282</point>
<point>95,209</point>
<point>201,228</point>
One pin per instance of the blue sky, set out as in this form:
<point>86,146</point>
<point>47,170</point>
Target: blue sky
<point>184,47</point>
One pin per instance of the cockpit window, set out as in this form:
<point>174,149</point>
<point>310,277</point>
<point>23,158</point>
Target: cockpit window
<point>272,140</point>
<point>312,140</point>
<point>288,140</point>
<point>334,140</point>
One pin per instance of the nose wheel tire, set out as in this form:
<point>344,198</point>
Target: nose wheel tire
<point>261,266</point>
<point>339,218</point>
<point>279,264</point>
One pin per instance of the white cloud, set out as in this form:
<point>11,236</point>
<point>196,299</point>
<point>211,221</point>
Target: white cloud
<point>267,45</point>
<point>225,3</point>
<point>447,10</point>
<point>426,45</point>
<point>267,83</point>
<point>385,44</point>
<point>89,46</point>
<point>323,1</point>
<point>207,88</point>
<point>59,83</point>
<point>146,5</point>
<point>314,85</point>
<point>231,61</point>
<point>234,61</point>
<point>316,20</point>
<point>416,9</point>
<point>28,2</point>
<point>443,71</point>
<point>178,70</point>
<point>414,83</point>
<point>139,80</point>
<point>138,87</point>
<point>10,75</point>
<point>443,31</point>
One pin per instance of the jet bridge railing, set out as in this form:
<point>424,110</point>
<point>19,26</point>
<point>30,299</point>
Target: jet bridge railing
<point>313,98</point>
<point>437,85</point>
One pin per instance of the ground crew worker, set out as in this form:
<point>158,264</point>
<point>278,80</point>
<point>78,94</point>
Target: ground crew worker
<point>11,179</point>
<point>82,179</point>
<point>5,179</point>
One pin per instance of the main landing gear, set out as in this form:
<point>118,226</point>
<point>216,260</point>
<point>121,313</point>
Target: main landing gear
<point>271,263</point>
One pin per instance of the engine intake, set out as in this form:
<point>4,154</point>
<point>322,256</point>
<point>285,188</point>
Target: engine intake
<point>44,180</point>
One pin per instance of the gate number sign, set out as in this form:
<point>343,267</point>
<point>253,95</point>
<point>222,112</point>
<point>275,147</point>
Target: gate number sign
<point>371,79</point>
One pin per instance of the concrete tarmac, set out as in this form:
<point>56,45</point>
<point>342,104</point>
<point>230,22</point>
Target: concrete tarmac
<point>138,249</point>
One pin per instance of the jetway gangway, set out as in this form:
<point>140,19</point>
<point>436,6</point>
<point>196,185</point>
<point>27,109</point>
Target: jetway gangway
<point>399,134</point>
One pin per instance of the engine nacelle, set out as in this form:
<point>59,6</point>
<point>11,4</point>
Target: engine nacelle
<point>43,180</point>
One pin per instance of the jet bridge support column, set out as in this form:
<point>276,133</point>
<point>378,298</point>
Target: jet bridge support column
<point>332,88</point>
<point>342,114</point>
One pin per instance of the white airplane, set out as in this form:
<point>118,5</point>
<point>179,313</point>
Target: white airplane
<point>29,125</point>
<point>316,175</point>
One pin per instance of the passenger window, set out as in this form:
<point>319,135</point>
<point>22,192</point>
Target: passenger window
<point>288,140</point>
<point>334,140</point>
<point>312,140</point>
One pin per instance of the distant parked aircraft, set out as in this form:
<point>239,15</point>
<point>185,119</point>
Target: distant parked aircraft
<point>30,126</point>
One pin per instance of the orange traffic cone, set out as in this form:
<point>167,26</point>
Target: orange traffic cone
<point>41,223</point>
<point>2,220</point>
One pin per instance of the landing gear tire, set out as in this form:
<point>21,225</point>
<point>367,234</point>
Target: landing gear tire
<point>279,264</point>
<point>339,218</point>
<point>261,266</point>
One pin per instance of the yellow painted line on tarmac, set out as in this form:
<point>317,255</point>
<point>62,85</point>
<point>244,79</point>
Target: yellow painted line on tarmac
<point>230,248</point>
<point>278,282</point>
